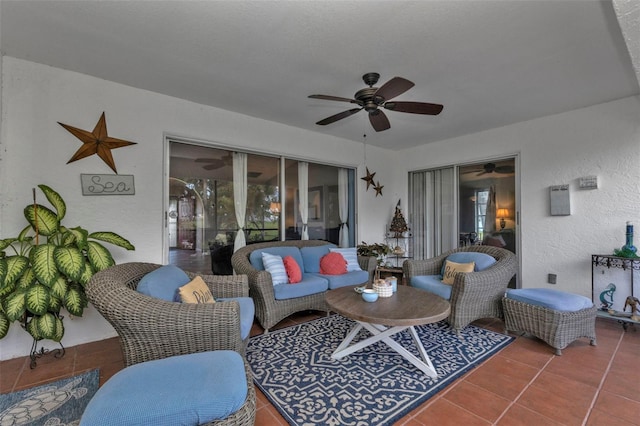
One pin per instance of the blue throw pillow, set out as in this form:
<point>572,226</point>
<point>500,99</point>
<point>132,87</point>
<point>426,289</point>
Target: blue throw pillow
<point>163,282</point>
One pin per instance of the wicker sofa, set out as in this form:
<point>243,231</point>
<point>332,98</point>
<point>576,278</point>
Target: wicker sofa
<point>474,295</point>
<point>151,328</point>
<point>269,310</point>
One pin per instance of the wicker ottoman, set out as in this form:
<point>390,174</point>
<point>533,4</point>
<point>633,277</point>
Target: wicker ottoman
<point>554,316</point>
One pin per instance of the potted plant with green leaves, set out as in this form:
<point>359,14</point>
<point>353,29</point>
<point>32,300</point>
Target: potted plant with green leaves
<point>46,267</point>
<point>378,250</point>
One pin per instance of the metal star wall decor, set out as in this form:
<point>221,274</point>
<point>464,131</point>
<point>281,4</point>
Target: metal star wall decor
<point>96,142</point>
<point>378,188</point>
<point>369,178</point>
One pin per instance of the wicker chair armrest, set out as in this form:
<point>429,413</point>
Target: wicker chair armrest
<point>484,284</point>
<point>433,266</point>
<point>225,285</point>
<point>369,264</point>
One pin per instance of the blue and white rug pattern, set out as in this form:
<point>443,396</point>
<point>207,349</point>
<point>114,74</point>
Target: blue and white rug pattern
<point>373,386</point>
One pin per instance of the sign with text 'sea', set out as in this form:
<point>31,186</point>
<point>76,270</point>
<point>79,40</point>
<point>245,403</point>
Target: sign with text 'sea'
<point>107,184</point>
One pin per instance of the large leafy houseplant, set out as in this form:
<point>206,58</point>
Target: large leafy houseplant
<point>46,268</point>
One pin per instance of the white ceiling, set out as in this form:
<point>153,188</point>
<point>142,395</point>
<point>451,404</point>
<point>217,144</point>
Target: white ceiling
<point>490,63</point>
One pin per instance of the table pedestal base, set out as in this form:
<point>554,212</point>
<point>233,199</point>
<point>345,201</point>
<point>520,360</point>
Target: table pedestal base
<point>382,333</point>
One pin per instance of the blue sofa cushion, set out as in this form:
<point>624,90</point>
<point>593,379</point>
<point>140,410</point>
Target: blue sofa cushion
<point>343,280</point>
<point>163,283</point>
<point>551,299</point>
<point>311,257</point>
<point>255,258</point>
<point>192,389</point>
<point>482,260</point>
<point>432,284</point>
<point>310,284</point>
<point>247,312</point>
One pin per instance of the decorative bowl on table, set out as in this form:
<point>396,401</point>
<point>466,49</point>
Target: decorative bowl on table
<point>369,295</point>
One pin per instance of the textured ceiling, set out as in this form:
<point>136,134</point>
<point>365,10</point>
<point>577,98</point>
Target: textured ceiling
<point>490,63</point>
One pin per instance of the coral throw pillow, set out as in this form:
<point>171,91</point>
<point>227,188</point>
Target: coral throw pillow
<point>293,269</point>
<point>452,268</point>
<point>333,264</point>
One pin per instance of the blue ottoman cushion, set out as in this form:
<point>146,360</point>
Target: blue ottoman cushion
<point>247,312</point>
<point>432,284</point>
<point>180,390</point>
<point>551,299</point>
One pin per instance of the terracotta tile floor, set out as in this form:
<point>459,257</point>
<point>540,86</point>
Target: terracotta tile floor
<point>524,384</point>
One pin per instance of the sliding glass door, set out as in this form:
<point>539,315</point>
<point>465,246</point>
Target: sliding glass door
<point>432,211</point>
<point>464,205</point>
<point>281,199</point>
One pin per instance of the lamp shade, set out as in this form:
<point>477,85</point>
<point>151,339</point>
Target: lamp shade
<point>274,208</point>
<point>502,213</point>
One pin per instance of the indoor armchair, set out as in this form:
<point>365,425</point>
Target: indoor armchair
<point>473,295</point>
<point>151,328</point>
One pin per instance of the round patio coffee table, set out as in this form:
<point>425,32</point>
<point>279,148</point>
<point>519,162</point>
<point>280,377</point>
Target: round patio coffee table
<point>387,316</point>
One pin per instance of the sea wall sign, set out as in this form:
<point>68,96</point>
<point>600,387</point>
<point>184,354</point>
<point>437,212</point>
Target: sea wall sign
<point>107,184</point>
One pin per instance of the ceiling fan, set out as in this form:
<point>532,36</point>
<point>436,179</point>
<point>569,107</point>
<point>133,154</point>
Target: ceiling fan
<point>371,99</point>
<point>492,168</point>
<point>216,163</point>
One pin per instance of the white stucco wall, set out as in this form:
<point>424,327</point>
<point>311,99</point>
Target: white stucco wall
<point>602,140</point>
<point>35,149</point>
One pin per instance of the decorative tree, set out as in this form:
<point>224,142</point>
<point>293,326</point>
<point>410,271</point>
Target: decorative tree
<point>398,224</point>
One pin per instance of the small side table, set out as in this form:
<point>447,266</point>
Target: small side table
<point>384,271</point>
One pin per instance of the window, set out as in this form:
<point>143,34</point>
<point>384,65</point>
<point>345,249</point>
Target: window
<point>201,214</point>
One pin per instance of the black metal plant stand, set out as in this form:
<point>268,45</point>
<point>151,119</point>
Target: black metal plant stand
<point>36,354</point>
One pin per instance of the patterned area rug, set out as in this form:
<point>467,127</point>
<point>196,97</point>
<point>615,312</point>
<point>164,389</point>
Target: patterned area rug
<point>55,404</point>
<point>373,386</point>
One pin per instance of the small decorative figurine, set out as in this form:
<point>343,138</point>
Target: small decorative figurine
<point>607,293</point>
<point>633,303</point>
<point>628,250</point>
<point>398,224</point>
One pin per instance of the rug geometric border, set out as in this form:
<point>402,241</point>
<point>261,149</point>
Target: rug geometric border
<point>373,386</point>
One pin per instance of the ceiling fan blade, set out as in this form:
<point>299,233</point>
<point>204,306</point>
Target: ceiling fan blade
<point>339,116</point>
<point>394,87</point>
<point>379,120</point>
<point>332,98</point>
<point>214,166</point>
<point>504,169</point>
<point>414,107</point>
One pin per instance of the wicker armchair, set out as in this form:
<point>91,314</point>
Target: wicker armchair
<point>474,295</point>
<point>151,328</point>
<point>270,311</point>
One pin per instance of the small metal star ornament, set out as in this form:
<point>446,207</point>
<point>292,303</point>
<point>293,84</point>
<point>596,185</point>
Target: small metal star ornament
<point>378,188</point>
<point>369,178</point>
<point>96,142</point>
